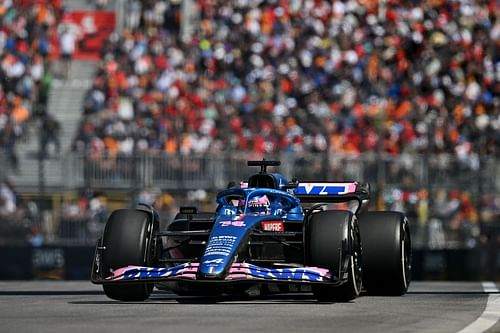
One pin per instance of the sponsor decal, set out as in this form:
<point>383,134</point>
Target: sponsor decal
<point>276,226</point>
<point>229,211</point>
<point>326,188</point>
<point>152,272</point>
<point>232,223</point>
<point>47,258</point>
<point>48,263</point>
<point>285,273</point>
<point>213,261</point>
<point>220,245</point>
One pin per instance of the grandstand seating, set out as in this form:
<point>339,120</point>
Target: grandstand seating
<point>272,76</point>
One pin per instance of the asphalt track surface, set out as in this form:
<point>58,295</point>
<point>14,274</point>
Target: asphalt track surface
<point>78,306</point>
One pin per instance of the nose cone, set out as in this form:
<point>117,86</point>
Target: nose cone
<point>211,271</point>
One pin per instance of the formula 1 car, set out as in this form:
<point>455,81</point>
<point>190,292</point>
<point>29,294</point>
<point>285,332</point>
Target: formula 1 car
<point>266,233</point>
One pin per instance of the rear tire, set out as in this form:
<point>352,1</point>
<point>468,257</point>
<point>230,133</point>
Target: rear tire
<point>127,239</point>
<point>326,232</point>
<point>386,253</point>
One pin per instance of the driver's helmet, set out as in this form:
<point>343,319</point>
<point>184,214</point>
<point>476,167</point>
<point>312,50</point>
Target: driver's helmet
<point>259,204</point>
<point>241,205</point>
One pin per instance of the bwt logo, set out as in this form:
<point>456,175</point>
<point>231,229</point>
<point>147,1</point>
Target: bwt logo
<point>152,272</point>
<point>286,274</point>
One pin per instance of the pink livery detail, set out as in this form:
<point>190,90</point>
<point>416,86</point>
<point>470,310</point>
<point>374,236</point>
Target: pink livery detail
<point>238,271</point>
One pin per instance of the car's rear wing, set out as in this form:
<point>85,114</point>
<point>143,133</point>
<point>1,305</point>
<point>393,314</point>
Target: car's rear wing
<point>331,192</point>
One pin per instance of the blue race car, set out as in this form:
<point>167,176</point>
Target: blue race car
<point>267,234</point>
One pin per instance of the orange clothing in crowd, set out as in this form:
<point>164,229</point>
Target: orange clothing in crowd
<point>20,114</point>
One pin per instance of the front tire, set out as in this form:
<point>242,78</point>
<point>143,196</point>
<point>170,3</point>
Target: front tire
<point>127,239</point>
<point>386,253</point>
<point>326,233</point>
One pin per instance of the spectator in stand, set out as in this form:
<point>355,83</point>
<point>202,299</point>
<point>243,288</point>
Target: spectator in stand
<point>101,4</point>
<point>98,215</point>
<point>8,141</point>
<point>8,200</point>
<point>67,44</point>
<point>43,94</point>
<point>50,135</point>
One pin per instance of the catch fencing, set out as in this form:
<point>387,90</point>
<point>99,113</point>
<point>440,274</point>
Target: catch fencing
<point>180,172</point>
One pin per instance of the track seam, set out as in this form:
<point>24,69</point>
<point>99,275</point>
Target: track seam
<point>491,314</point>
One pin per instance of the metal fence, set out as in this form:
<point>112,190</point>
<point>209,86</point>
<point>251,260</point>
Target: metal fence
<point>180,172</point>
<point>215,171</point>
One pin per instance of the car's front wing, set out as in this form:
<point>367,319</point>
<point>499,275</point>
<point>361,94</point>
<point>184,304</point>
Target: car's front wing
<point>238,272</point>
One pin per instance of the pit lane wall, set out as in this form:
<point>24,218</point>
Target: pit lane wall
<point>74,262</point>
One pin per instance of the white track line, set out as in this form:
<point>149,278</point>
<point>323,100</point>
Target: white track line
<point>490,315</point>
<point>490,287</point>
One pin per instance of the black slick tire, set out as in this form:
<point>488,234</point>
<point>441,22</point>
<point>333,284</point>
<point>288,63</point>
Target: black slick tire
<point>386,253</point>
<point>326,233</point>
<point>127,241</point>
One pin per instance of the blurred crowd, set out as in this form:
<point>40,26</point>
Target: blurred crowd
<point>290,76</point>
<point>26,27</point>
<point>451,219</point>
<point>445,218</point>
